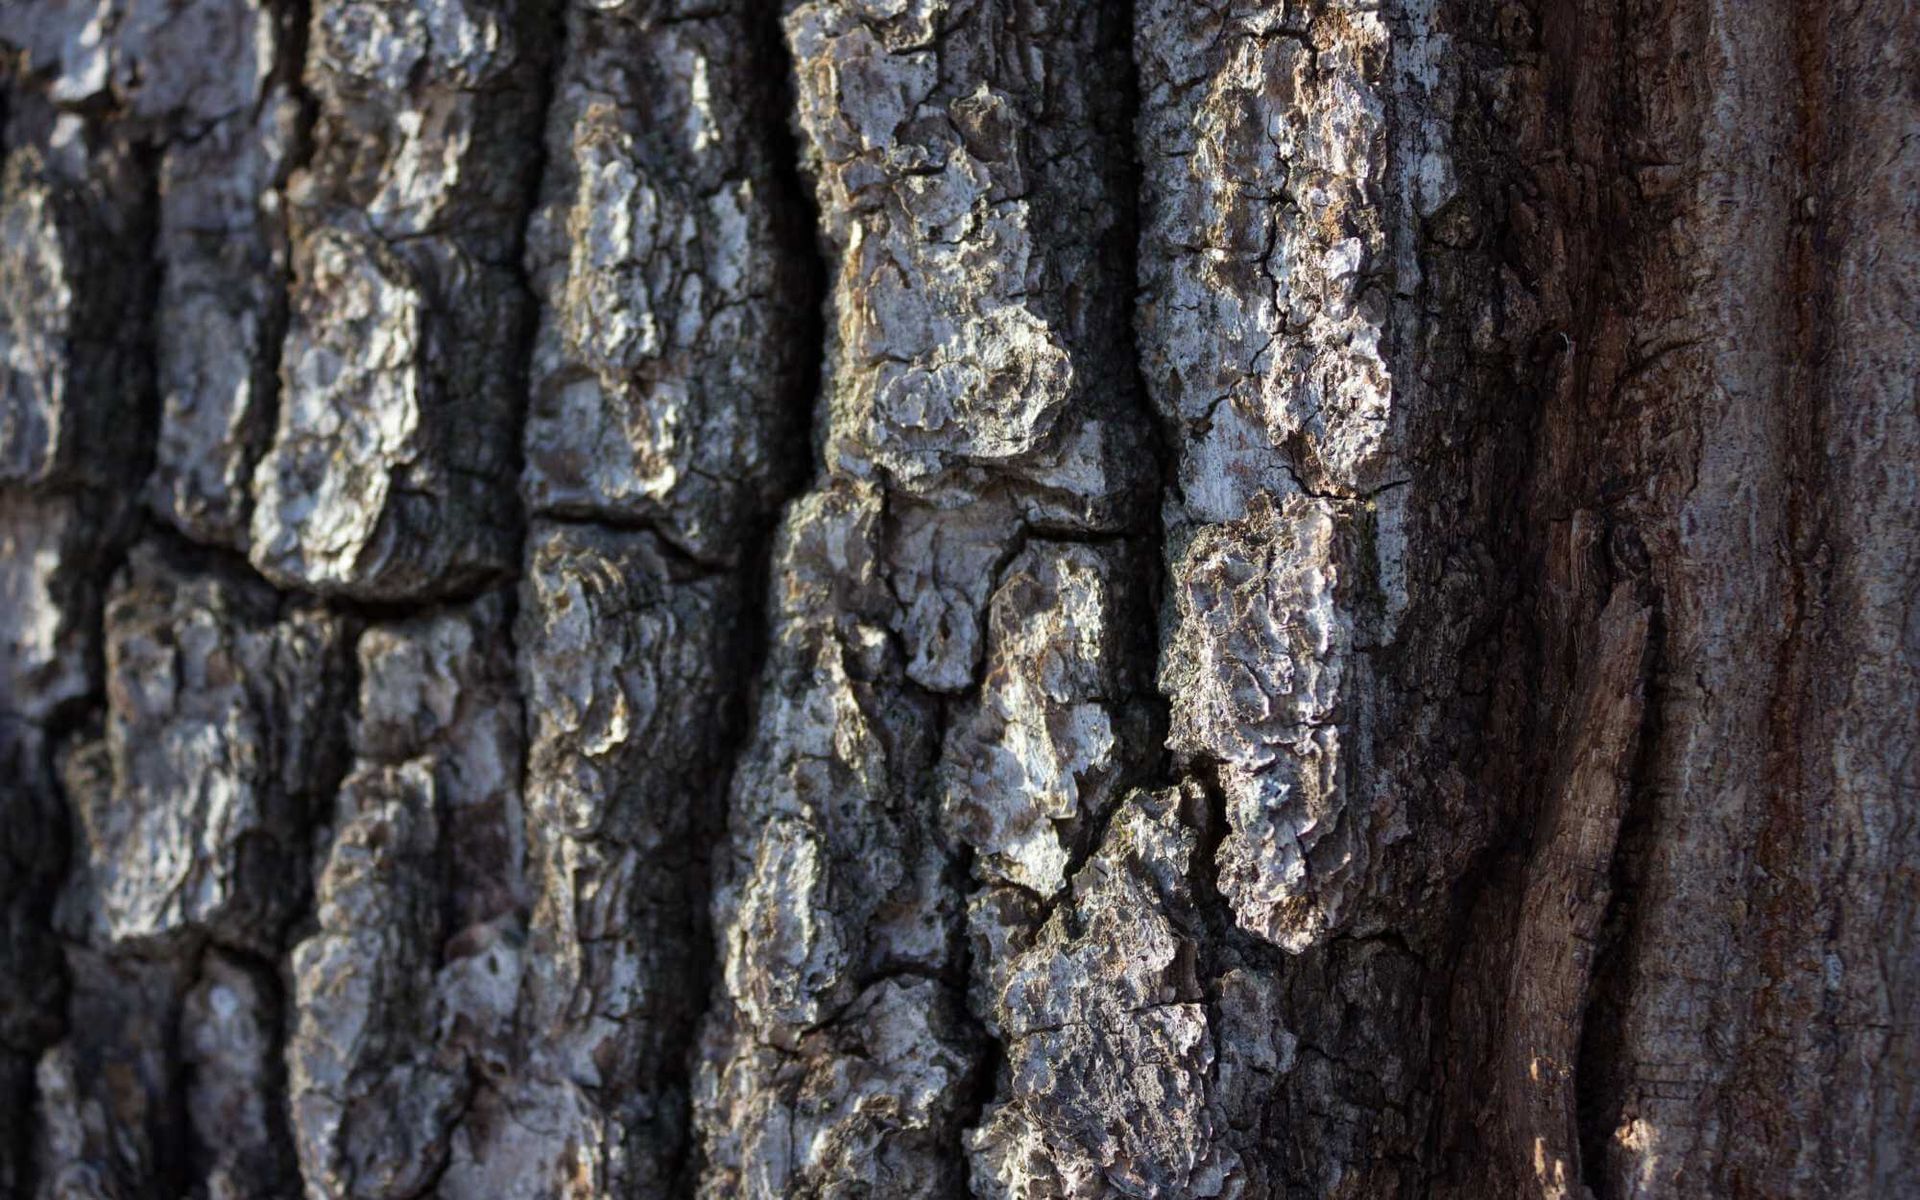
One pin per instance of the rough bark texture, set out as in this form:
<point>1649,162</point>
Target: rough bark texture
<point>1017,598</point>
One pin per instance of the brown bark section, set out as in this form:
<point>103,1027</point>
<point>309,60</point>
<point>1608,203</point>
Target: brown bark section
<point>1698,183</point>
<point>1567,889</point>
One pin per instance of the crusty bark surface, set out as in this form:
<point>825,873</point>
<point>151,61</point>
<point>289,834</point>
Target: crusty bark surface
<point>1014,598</point>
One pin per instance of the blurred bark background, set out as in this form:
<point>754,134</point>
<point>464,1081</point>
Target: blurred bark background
<point>1016,598</point>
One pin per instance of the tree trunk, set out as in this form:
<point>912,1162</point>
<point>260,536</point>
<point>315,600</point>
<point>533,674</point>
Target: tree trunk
<point>1016,598</point>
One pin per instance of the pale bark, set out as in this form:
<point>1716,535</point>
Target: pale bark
<point>892,598</point>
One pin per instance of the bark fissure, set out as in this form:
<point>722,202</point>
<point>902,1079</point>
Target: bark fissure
<point>797,227</point>
<point>1606,995</point>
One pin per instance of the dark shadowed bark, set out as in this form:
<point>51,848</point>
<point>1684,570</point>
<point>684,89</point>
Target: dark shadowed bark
<point>1014,598</point>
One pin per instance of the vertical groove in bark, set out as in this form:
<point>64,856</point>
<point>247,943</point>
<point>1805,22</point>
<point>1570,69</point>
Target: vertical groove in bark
<point>803,263</point>
<point>79,210</point>
<point>657,443</point>
<point>1565,897</point>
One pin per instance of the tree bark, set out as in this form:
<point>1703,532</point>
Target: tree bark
<point>1014,598</point>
